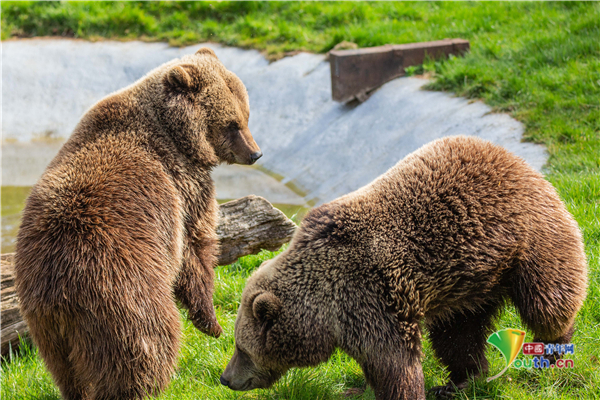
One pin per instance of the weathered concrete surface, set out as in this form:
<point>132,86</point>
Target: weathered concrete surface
<point>235,181</point>
<point>325,148</point>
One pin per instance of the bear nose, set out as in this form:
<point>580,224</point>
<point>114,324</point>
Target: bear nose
<point>255,156</point>
<point>224,381</point>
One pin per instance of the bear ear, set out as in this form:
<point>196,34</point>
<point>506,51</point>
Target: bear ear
<point>182,77</point>
<point>266,307</point>
<point>206,51</point>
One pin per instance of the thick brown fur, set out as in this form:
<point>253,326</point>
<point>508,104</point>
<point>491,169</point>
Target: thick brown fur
<point>443,237</point>
<point>123,221</point>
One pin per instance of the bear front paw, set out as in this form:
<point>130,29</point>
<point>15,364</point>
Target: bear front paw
<point>354,392</point>
<point>211,328</point>
<point>444,392</point>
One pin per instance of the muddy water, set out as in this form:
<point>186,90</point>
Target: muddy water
<point>13,200</point>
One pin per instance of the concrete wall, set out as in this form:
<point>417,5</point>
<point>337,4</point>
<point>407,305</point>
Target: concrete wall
<point>325,148</point>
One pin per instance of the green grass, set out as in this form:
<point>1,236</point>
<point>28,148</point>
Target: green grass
<point>203,359</point>
<point>539,62</point>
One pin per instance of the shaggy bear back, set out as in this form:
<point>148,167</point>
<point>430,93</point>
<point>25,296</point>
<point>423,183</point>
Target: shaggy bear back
<point>457,210</point>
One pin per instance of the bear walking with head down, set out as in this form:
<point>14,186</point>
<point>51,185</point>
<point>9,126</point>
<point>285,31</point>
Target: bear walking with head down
<point>123,219</point>
<point>443,237</point>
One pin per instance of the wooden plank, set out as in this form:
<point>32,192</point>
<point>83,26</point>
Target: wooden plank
<point>415,53</point>
<point>354,73</point>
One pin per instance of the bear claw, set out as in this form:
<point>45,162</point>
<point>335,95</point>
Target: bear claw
<point>210,328</point>
<point>443,392</point>
<point>354,392</point>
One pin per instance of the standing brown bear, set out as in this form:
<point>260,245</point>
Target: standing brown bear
<point>446,236</point>
<point>123,219</point>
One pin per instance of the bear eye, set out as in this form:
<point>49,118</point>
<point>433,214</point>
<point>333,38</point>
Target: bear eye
<point>240,350</point>
<point>233,126</point>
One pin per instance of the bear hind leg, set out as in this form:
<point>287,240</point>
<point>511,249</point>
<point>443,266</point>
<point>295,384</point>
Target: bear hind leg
<point>129,359</point>
<point>55,350</point>
<point>547,307</point>
<point>138,371</point>
<point>460,342</point>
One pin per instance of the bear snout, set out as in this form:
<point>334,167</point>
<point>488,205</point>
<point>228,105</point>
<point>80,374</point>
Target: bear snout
<point>224,381</point>
<point>255,156</point>
<point>244,148</point>
<point>239,385</point>
<point>242,373</point>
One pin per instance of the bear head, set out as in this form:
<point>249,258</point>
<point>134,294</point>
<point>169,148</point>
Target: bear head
<point>205,109</point>
<point>275,330</point>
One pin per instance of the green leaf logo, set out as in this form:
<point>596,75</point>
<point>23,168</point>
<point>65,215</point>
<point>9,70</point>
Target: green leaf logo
<point>509,342</point>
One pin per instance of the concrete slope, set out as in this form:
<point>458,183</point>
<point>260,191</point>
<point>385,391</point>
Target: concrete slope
<point>325,148</point>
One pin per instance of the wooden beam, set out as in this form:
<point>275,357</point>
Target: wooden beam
<point>354,73</point>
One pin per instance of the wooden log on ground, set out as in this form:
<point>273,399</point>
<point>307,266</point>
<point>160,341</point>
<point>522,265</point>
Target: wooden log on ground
<point>354,73</point>
<point>12,323</point>
<point>246,226</point>
<point>250,224</point>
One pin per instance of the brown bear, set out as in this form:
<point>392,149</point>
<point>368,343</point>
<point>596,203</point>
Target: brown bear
<point>444,237</point>
<point>122,221</point>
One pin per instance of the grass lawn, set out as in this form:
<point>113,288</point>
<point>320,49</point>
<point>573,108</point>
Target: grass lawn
<point>539,62</point>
